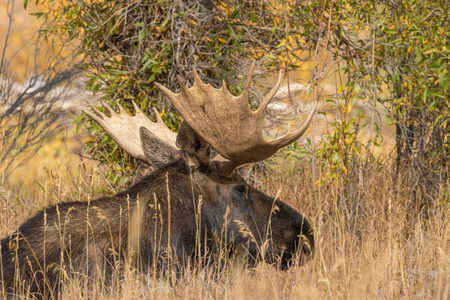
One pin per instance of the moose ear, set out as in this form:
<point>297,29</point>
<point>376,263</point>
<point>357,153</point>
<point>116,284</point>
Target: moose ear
<point>194,149</point>
<point>157,152</point>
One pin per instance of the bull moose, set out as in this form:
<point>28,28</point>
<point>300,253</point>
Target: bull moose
<point>193,204</point>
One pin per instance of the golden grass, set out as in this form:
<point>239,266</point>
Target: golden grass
<point>379,253</point>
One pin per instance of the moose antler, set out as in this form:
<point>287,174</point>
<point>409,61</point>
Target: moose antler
<point>227,123</point>
<point>124,129</point>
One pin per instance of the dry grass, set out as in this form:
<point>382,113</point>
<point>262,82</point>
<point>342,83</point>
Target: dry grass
<point>382,253</point>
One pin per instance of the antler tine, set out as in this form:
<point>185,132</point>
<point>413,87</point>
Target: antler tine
<point>124,129</point>
<point>269,96</point>
<point>107,107</point>
<point>121,109</point>
<point>97,118</point>
<point>196,76</point>
<point>158,117</point>
<point>291,137</point>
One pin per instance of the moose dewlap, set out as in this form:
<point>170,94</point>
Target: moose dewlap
<point>191,205</point>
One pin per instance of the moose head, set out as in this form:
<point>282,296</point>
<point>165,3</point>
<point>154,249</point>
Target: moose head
<point>214,119</point>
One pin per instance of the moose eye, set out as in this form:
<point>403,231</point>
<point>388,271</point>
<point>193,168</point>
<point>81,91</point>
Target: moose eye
<point>241,189</point>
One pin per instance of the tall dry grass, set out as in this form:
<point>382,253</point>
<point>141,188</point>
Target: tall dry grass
<point>382,250</point>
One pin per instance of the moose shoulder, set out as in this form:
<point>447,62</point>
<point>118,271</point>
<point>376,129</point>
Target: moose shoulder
<point>191,202</point>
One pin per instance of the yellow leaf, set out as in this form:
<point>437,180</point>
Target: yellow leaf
<point>349,108</point>
<point>302,41</point>
<point>392,27</point>
<point>162,112</point>
<point>409,49</point>
<point>222,40</point>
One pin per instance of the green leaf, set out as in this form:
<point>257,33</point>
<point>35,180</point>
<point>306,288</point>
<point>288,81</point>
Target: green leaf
<point>235,13</point>
<point>164,23</point>
<point>40,185</point>
<point>141,35</point>
<point>437,119</point>
<point>437,94</point>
